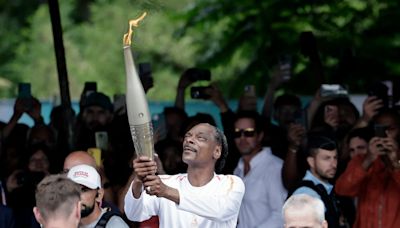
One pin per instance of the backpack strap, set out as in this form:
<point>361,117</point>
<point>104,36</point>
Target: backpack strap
<point>330,202</point>
<point>105,218</point>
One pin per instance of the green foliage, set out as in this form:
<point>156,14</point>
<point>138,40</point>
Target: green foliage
<point>262,30</point>
<point>94,48</point>
<point>13,16</point>
<point>240,41</point>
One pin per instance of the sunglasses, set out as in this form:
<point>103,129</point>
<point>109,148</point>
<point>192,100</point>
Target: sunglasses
<point>248,132</point>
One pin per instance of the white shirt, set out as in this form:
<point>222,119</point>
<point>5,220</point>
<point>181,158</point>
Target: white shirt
<point>214,205</point>
<point>265,194</point>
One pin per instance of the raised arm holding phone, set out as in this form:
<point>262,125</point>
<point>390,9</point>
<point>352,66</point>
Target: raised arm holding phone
<point>25,103</point>
<point>376,175</point>
<point>187,78</point>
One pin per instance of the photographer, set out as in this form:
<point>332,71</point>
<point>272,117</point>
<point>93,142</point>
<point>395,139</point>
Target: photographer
<point>374,178</point>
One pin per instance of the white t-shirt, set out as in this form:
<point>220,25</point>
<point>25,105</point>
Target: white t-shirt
<point>215,204</point>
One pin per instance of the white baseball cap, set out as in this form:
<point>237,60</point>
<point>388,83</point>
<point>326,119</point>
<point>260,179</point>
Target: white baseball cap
<point>85,175</point>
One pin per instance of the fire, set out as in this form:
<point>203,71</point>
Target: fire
<point>132,23</point>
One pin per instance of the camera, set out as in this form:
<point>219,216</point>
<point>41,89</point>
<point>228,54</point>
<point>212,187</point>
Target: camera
<point>333,90</point>
<point>198,92</point>
<point>380,130</point>
<point>197,74</point>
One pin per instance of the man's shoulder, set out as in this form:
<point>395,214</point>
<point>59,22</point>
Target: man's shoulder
<point>232,181</point>
<point>271,158</point>
<point>225,177</point>
<point>108,218</point>
<point>116,221</point>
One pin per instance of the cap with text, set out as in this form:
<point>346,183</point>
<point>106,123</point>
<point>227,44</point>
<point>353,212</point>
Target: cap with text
<point>85,175</point>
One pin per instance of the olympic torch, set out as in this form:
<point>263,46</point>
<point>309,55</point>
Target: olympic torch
<point>137,107</point>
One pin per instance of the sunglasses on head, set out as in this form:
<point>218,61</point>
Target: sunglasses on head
<point>248,132</point>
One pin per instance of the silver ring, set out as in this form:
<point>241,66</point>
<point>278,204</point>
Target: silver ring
<point>148,188</point>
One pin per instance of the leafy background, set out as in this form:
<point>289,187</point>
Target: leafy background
<point>240,41</point>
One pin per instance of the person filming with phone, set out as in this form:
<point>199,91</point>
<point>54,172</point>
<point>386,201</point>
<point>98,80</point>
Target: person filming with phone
<point>25,103</point>
<point>374,178</point>
<point>96,115</point>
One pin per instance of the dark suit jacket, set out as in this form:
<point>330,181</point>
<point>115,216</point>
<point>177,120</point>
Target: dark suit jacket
<point>6,217</point>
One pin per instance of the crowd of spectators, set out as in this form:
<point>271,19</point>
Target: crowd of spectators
<point>353,155</point>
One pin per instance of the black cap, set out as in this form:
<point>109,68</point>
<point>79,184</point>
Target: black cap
<point>98,99</point>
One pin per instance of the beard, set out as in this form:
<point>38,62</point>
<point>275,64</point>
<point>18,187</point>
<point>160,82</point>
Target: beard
<point>245,148</point>
<point>327,175</point>
<point>96,126</point>
<point>87,210</point>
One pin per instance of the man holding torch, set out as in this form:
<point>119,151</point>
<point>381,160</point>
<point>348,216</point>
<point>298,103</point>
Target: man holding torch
<point>198,198</point>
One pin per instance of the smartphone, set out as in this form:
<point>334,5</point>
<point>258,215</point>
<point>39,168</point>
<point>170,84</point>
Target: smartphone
<point>96,153</point>
<point>101,138</point>
<point>285,65</point>
<point>198,92</point>
<point>24,90</point>
<point>333,90</point>
<point>197,74</point>
<point>250,90</point>
<point>300,117</point>
<point>24,93</point>
<point>380,130</point>
<point>90,87</point>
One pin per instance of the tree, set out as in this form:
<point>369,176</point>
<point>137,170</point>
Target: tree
<point>239,41</point>
<point>357,39</point>
<point>94,48</point>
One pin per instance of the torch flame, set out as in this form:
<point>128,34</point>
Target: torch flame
<point>132,23</point>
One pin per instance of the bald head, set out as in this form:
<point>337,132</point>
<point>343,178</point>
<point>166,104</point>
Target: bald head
<point>302,210</point>
<point>79,158</point>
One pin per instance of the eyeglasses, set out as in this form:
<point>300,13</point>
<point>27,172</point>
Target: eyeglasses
<point>248,132</point>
